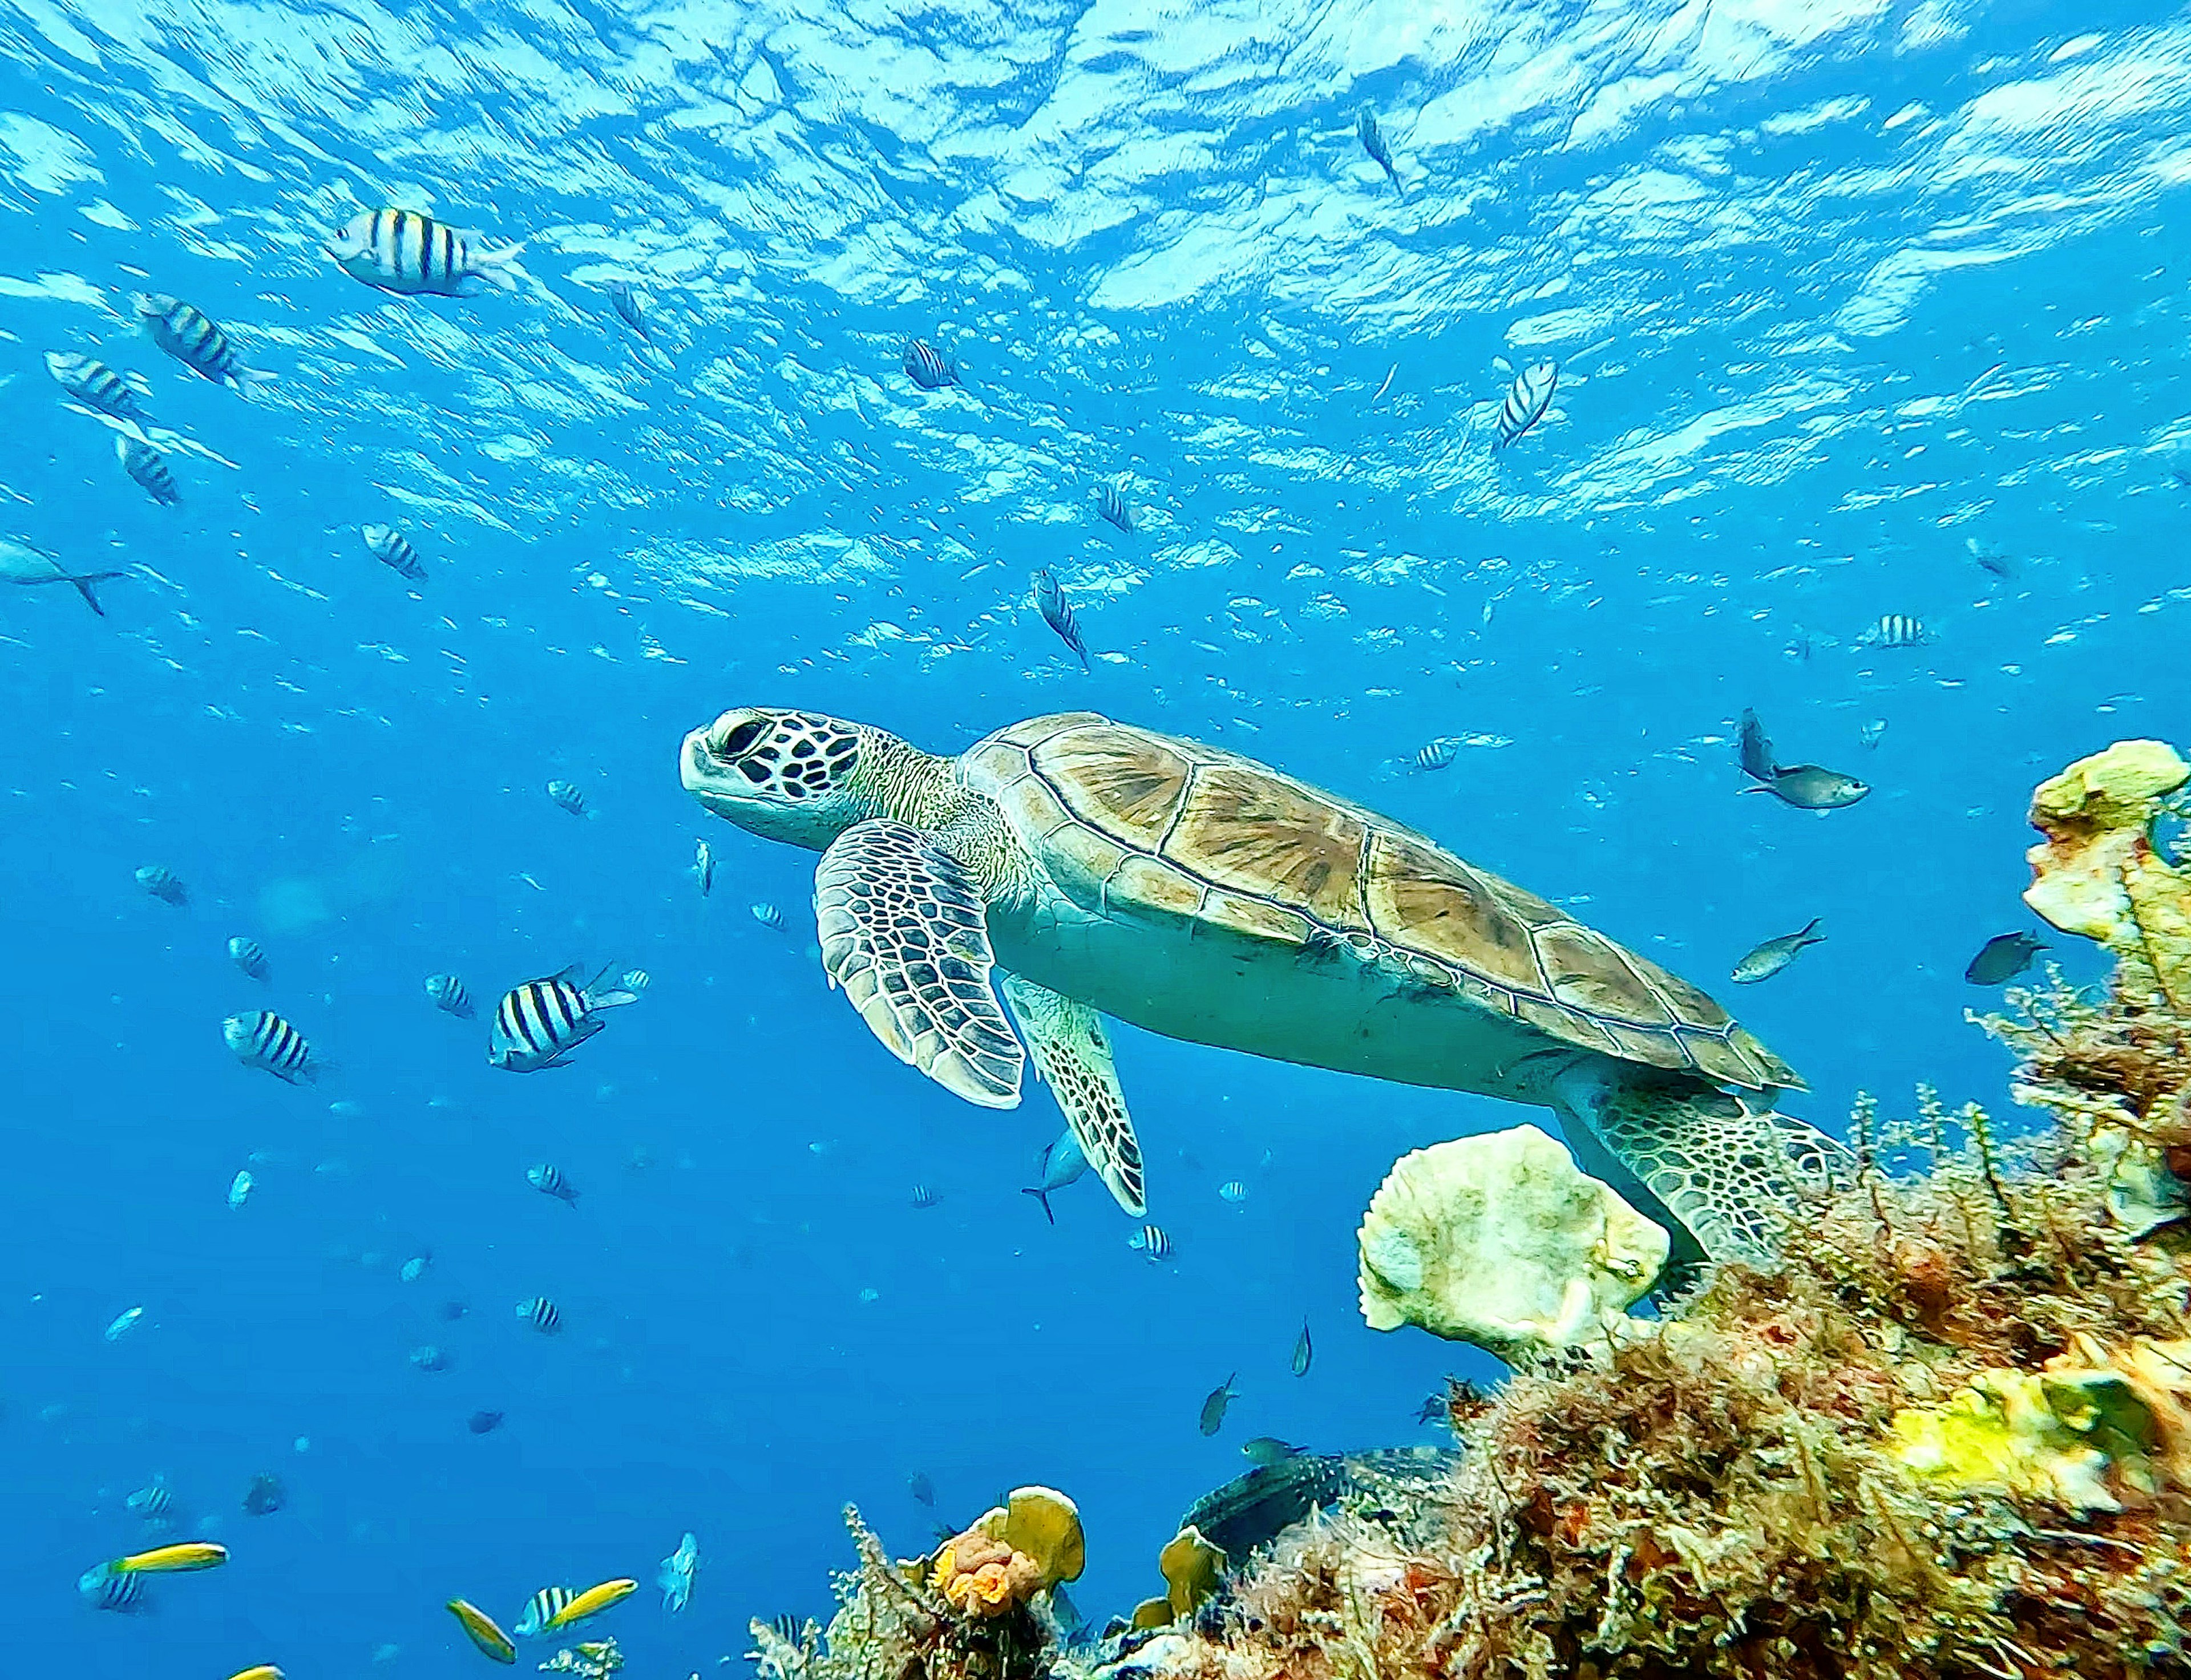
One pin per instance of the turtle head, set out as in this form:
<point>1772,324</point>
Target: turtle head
<point>782,775</point>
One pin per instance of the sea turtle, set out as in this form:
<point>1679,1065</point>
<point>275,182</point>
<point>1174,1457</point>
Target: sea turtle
<point>1107,869</point>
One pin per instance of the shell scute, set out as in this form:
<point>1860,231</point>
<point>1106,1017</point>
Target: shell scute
<point>1426,899</point>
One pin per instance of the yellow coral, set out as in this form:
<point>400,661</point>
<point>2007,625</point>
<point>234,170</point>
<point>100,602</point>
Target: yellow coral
<point>982,1577</point>
<point>1191,1568</point>
<point>1041,1523</point>
<point>2097,873</point>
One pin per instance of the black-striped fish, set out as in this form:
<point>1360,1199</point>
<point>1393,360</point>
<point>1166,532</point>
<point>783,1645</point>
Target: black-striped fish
<point>540,1610</point>
<point>540,1313</point>
<point>194,339</point>
<point>1436,755</point>
<point>249,956</point>
<point>149,468</point>
<point>768,915</point>
<point>1110,507</point>
<point>928,367</point>
<point>636,980</point>
<point>448,993</point>
<point>1057,613</point>
<point>262,1039</point>
<point>923,1197</point>
<point>550,1181</point>
<point>1380,148</point>
<point>163,884</point>
<point>1526,399</point>
<point>1152,1242</point>
<point>625,302</point>
<point>1895,630</point>
<point>569,796</point>
<point>538,1023</point>
<point>103,1589</point>
<point>155,1503</point>
<point>97,385</point>
<point>392,548</point>
<point>786,1627</point>
<point>403,252</point>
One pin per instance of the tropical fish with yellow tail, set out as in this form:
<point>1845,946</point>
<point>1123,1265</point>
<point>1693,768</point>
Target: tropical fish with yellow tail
<point>177,1559</point>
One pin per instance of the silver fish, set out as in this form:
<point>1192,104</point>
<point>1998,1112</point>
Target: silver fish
<point>1268,1449</point>
<point>1062,1163</point>
<point>196,339</point>
<point>241,1187</point>
<point>1869,733</point>
<point>1526,399</point>
<point>703,867</point>
<point>25,567</point>
<point>1057,613</point>
<point>403,252</point>
<point>1304,1351</point>
<point>249,956</point>
<point>262,1039</point>
<point>678,1571</point>
<point>1769,958</point>
<point>1213,1407</point>
<point>1379,149</point>
<point>2001,958</point>
<point>148,467</point>
<point>1811,787</point>
<point>393,549</point>
<point>539,1022</point>
<point>163,884</point>
<point>96,385</point>
<point>625,302</point>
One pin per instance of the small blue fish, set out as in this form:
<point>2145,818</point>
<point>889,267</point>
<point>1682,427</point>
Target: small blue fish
<point>678,1569</point>
<point>1062,1163</point>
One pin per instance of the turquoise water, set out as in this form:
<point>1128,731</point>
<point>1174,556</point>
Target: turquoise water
<point>1837,292</point>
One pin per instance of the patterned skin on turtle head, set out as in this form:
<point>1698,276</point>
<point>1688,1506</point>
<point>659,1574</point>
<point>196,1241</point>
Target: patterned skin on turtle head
<point>782,775</point>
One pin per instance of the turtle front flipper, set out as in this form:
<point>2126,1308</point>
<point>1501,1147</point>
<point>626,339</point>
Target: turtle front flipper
<point>904,930</point>
<point>1729,1174</point>
<point>1072,1053</point>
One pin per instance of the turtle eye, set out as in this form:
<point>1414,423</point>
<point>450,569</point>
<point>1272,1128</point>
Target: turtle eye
<point>741,739</point>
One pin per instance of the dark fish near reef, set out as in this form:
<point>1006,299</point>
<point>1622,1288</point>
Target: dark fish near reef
<point>786,1627</point>
<point>1527,400</point>
<point>1380,148</point>
<point>1304,1351</point>
<point>1806,786</point>
<point>1057,613</point>
<point>266,1495</point>
<point>1268,1449</point>
<point>149,468</point>
<point>1438,1409</point>
<point>1111,508</point>
<point>1768,959</point>
<point>2002,958</point>
<point>1212,1409</point>
<point>922,1489</point>
<point>928,367</point>
<point>484,1422</point>
<point>195,338</point>
<point>625,302</point>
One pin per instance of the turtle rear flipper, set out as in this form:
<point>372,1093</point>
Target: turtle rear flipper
<point>904,930</point>
<point>1725,1174</point>
<point>1073,1055</point>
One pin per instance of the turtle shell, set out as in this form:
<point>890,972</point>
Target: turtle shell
<point>1163,828</point>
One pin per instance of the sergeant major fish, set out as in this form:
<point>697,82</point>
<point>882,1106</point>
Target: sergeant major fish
<point>1526,402</point>
<point>1111,508</point>
<point>103,1590</point>
<point>448,994</point>
<point>1769,958</point>
<point>148,467</point>
<point>262,1039</point>
<point>541,1314</point>
<point>768,915</point>
<point>539,1022</point>
<point>393,550</point>
<point>27,567</point>
<point>249,956</point>
<point>1153,1244</point>
<point>568,795</point>
<point>163,884</point>
<point>403,252</point>
<point>928,367</point>
<point>194,339</point>
<point>94,384</point>
<point>1895,630</point>
<point>1057,613</point>
<point>550,1181</point>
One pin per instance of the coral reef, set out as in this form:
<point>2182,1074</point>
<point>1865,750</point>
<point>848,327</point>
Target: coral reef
<point>1942,1432</point>
<point>1501,1241</point>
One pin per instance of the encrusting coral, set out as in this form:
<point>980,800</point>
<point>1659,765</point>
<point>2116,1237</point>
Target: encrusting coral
<point>1944,1433</point>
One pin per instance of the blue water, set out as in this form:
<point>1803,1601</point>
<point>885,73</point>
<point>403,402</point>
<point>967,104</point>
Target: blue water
<point>1835,289</point>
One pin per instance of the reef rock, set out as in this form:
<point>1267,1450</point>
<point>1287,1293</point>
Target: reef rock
<point>1502,1242</point>
<point>2097,874</point>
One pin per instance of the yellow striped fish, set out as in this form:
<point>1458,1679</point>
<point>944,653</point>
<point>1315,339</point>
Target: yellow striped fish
<point>403,252</point>
<point>188,1554</point>
<point>590,1602</point>
<point>480,1628</point>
